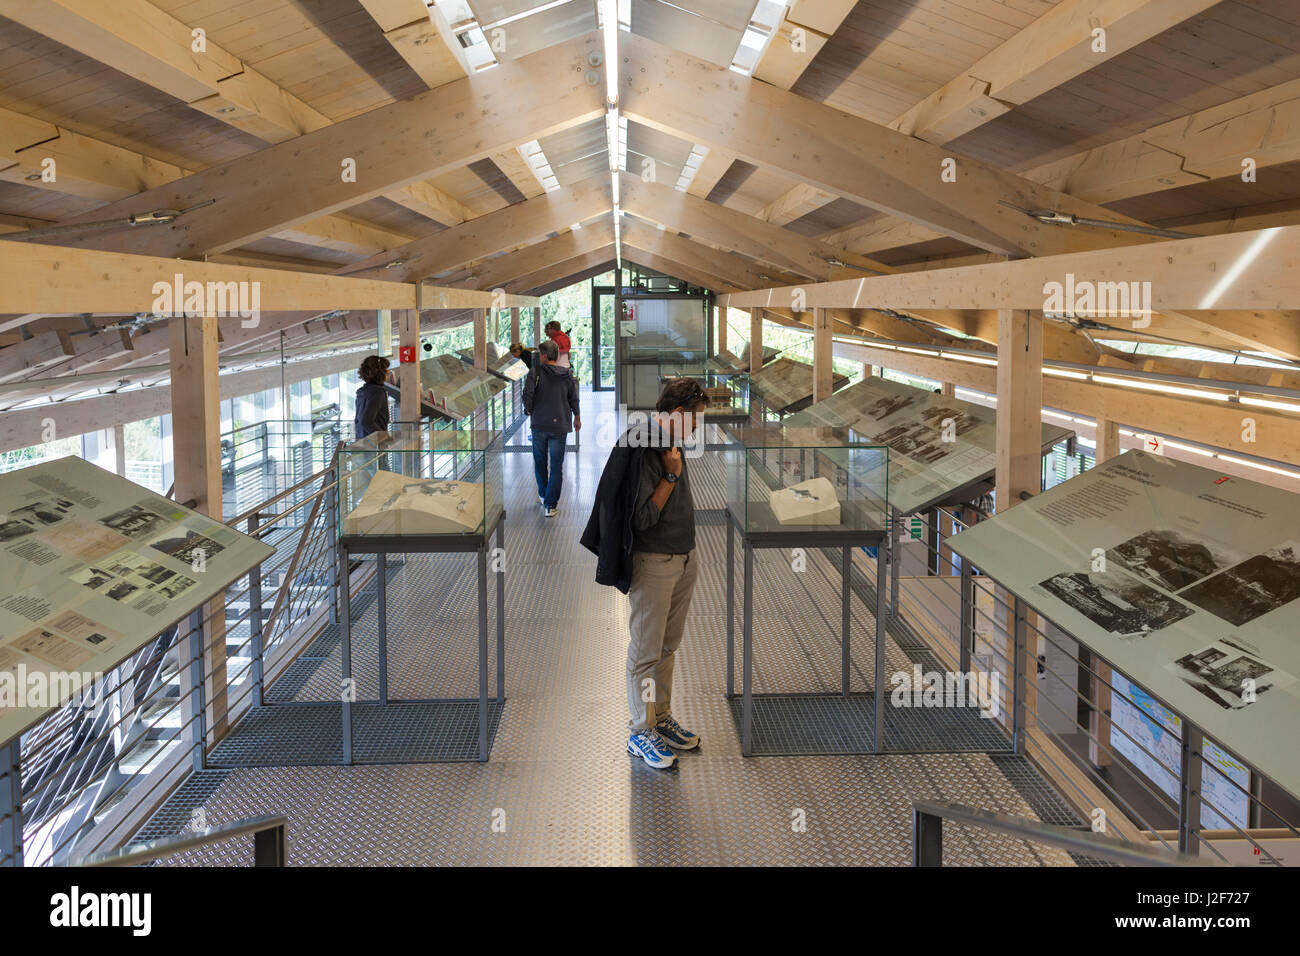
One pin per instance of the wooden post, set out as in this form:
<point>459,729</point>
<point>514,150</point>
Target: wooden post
<point>480,339</point>
<point>947,389</point>
<point>720,318</point>
<point>537,325</point>
<point>514,324</point>
<point>755,339</point>
<point>408,337</point>
<point>1100,697</point>
<point>119,449</point>
<point>823,361</point>
<point>868,370</point>
<point>1019,446</point>
<point>196,457</point>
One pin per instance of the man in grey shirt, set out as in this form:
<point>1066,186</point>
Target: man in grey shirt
<point>664,568</point>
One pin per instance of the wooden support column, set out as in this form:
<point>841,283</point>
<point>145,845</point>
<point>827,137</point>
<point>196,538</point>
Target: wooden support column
<point>823,362</point>
<point>1099,684</point>
<point>947,389</point>
<point>514,324</point>
<point>537,325</point>
<point>119,449</point>
<point>1019,449</point>
<point>196,457</point>
<point>868,370</point>
<point>755,339</point>
<point>720,318</point>
<point>480,339</point>
<point>408,378</point>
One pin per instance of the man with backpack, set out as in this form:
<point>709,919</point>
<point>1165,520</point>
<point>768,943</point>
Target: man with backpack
<point>551,402</point>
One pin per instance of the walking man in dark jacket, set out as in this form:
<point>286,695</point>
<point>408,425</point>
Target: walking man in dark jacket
<point>550,397</point>
<point>642,529</point>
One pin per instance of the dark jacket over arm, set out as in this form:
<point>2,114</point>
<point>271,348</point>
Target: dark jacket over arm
<point>609,533</point>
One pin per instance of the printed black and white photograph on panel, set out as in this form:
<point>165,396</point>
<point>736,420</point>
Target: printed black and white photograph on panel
<point>137,521</point>
<point>1116,601</point>
<point>1251,589</point>
<point>1172,559</point>
<point>1228,674</point>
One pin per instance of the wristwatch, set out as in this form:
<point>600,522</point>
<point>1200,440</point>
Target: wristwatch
<point>670,478</point>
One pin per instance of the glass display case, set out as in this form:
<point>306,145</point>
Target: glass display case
<point>416,480</point>
<point>499,362</point>
<point>805,480</point>
<point>726,387</point>
<point>786,385</point>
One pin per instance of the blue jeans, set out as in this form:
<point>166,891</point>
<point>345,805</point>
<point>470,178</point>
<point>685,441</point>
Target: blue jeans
<point>548,463</point>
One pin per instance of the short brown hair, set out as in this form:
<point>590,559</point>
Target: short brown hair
<point>681,393</point>
<point>552,325</point>
<point>374,369</point>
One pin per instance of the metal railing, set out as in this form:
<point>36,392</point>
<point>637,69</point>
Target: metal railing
<point>269,833</point>
<point>927,837</point>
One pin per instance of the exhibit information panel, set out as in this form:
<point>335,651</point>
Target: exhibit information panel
<point>938,445</point>
<point>1185,579</point>
<point>93,567</point>
<point>454,388</point>
<point>499,362</point>
<point>785,382</point>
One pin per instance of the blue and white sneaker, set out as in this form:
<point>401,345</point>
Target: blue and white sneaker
<point>650,747</point>
<point>676,735</point>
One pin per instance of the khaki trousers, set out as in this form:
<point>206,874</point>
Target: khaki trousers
<point>660,596</point>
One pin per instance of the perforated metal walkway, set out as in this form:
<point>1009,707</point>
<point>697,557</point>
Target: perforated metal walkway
<point>559,787</point>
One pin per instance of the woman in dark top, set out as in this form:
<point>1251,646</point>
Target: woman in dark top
<point>524,355</point>
<point>372,397</point>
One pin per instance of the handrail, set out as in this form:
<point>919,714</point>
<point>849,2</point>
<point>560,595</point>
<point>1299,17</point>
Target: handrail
<point>927,837</point>
<point>270,843</point>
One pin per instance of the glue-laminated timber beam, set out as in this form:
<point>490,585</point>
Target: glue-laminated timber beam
<point>497,272</point>
<point>425,136</point>
<point>558,275</point>
<point>1248,272</point>
<point>146,43</point>
<point>736,270</point>
<point>1051,51</point>
<point>525,222</point>
<point>1218,424</point>
<point>417,39</point>
<point>850,157</point>
<point>95,170</point>
<point>56,279</point>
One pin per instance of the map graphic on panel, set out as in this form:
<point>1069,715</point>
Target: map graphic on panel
<point>785,383</point>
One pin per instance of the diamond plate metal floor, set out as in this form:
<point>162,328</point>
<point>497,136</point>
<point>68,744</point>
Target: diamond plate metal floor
<point>559,788</point>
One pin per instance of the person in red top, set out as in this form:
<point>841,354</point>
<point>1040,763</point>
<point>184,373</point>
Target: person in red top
<point>561,340</point>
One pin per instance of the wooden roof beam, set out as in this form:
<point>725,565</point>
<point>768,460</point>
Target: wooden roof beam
<point>429,134</point>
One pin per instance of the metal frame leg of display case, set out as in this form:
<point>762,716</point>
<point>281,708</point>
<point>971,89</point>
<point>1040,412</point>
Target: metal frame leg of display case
<point>501,612</point>
<point>482,654</point>
<point>1189,790</point>
<point>1020,628</point>
<point>255,618</point>
<point>11,802</point>
<point>966,630</point>
<point>882,620</point>
<point>331,507</point>
<point>747,657</point>
<point>381,593</point>
<point>345,642</point>
<point>895,560</point>
<point>846,566</point>
<point>195,691</point>
<point>731,610</point>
